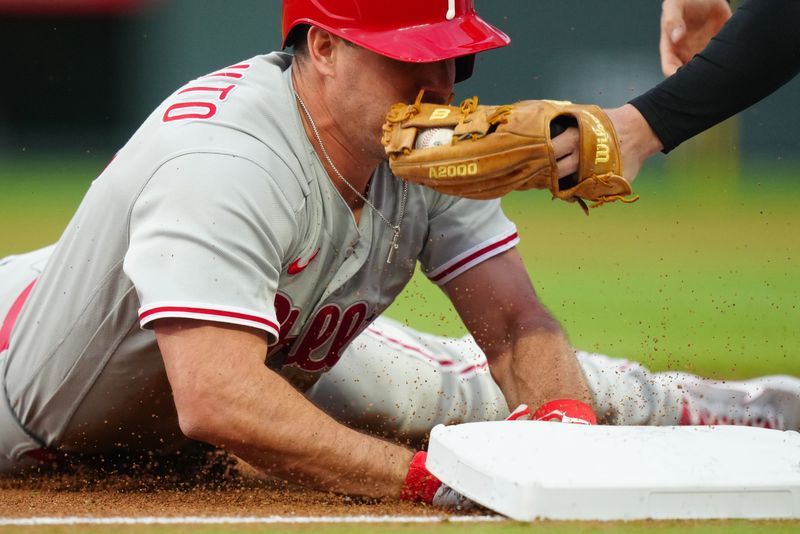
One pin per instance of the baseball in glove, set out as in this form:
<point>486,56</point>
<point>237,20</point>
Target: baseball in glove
<point>497,149</point>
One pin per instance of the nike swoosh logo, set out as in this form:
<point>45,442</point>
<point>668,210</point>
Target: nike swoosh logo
<point>296,267</point>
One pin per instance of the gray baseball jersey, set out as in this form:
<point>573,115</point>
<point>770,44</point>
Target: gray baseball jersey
<point>217,209</point>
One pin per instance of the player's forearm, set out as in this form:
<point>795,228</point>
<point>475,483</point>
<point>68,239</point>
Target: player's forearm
<point>539,366</point>
<point>294,440</point>
<point>529,356</point>
<point>279,432</point>
<point>226,396</point>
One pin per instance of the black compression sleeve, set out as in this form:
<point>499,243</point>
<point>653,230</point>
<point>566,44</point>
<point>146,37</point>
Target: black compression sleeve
<point>755,53</point>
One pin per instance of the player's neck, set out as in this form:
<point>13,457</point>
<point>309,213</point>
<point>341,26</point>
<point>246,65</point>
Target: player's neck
<point>355,166</point>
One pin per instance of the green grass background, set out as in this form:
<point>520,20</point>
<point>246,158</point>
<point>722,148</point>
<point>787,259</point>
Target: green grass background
<point>699,274</point>
<point>702,274</point>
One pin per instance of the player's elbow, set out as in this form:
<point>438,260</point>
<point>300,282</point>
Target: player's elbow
<point>200,417</point>
<point>195,426</point>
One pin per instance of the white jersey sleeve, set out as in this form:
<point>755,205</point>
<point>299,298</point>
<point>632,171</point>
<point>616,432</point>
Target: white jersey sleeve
<point>463,233</point>
<point>207,235</point>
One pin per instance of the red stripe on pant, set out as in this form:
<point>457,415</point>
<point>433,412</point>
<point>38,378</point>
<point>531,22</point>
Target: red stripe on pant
<point>11,316</point>
<point>41,455</point>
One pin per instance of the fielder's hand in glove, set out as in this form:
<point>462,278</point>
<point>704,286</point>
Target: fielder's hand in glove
<point>497,149</point>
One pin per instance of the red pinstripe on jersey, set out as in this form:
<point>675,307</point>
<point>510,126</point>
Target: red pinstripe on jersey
<point>460,264</point>
<point>418,350</point>
<point>444,362</point>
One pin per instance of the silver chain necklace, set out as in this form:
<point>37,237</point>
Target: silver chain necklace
<point>395,227</point>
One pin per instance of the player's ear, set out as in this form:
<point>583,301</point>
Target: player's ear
<point>322,47</point>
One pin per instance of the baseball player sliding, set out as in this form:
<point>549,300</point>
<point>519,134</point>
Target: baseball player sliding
<point>253,220</point>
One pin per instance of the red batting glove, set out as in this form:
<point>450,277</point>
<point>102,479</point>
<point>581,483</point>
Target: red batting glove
<point>565,411</point>
<point>422,486</point>
<point>520,413</point>
<point>561,411</point>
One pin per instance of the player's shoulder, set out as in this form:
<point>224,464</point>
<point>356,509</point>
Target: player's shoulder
<point>245,110</point>
<point>251,98</point>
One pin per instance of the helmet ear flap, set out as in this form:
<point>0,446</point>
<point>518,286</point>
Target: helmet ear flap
<point>296,36</point>
<point>464,67</point>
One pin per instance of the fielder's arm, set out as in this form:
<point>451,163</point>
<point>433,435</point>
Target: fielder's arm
<point>226,396</point>
<point>529,355</point>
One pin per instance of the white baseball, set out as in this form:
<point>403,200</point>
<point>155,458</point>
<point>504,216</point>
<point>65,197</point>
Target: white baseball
<point>433,137</point>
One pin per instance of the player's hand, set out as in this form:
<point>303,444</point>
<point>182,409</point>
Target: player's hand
<point>565,411</point>
<point>559,411</point>
<point>422,486</point>
<point>520,413</point>
<point>637,142</point>
<point>567,150</point>
<point>687,26</point>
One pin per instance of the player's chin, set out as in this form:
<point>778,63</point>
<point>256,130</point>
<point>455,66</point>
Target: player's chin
<point>375,152</point>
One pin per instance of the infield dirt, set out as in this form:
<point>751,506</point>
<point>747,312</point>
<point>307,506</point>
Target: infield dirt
<point>202,483</point>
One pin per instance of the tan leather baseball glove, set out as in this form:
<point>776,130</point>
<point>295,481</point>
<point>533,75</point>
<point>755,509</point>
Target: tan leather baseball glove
<point>497,149</point>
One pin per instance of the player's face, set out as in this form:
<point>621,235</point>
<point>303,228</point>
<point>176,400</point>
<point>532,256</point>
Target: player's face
<point>374,82</point>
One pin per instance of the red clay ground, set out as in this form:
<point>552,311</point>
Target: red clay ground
<point>207,484</point>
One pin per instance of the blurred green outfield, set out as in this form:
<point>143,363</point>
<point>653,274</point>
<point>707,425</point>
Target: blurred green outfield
<point>701,274</point>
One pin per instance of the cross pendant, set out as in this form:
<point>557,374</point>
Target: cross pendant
<point>393,245</point>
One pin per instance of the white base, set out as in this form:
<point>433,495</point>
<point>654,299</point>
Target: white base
<point>529,470</point>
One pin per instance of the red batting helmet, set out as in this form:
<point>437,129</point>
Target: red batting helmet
<point>407,30</point>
